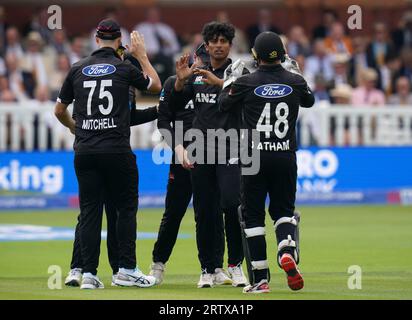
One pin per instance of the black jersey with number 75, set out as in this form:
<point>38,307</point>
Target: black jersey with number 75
<point>98,86</point>
<point>269,101</point>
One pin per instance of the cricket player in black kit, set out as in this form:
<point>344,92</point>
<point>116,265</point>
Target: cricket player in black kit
<point>137,117</point>
<point>216,187</point>
<point>74,278</point>
<point>269,101</point>
<point>104,161</point>
<point>179,186</point>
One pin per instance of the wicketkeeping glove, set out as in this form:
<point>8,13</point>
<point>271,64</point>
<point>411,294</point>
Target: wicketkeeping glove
<point>291,65</point>
<point>232,72</point>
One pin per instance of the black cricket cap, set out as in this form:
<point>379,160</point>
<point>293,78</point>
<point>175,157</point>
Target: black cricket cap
<point>108,29</point>
<point>269,47</point>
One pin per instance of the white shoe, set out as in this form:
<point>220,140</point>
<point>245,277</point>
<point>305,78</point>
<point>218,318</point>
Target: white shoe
<point>74,278</point>
<point>90,281</point>
<point>130,278</point>
<point>157,270</point>
<point>220,277</point>
<point>237,275</point>
<point>261,287</point>
<point>114,277</point>
<point>205,281</point>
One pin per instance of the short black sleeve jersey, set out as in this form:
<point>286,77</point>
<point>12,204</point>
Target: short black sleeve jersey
<point>205,98</point>
<point>141,116</point>
<point>138,116</point>
<point>135,62</point>
<point>98,86</point>
<point>170,114</point>
<point>269,100</point>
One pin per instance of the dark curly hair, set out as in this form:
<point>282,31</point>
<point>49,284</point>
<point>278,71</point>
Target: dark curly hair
<point>213,30</point>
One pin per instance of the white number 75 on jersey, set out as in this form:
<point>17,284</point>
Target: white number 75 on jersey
<point>102,94</point>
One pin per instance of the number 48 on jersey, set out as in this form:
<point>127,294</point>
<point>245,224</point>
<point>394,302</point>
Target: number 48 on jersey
<point>281,113</point>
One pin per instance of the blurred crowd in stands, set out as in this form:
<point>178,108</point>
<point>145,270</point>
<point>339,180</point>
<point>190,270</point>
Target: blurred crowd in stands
<point>373,70</point>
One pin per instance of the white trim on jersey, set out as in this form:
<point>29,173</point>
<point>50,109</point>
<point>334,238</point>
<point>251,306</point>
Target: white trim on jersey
<point>150,83</point>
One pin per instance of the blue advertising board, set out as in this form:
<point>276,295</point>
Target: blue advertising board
<point>52,173</point>
<point>358,168</point>
<point>325,176</point>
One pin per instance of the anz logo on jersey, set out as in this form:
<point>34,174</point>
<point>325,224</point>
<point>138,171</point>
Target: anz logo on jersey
<point>98,70</point>
<point>206,97</point>
<point>273,91</point>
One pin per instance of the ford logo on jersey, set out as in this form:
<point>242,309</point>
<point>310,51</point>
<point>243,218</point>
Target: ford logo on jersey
<point>98,70</point>
<point>272,91</point>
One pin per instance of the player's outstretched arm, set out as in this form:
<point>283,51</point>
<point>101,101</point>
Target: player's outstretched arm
<point>65,98</point>
<point>233,71</point>
<point>183,72</point>
<point>291,65</point>
<point>307,98</point>
<point>232,96</point>
<point>61,113</point>
<point>138,50</point>
<point>209,78</point>
<point>140,116</point>
<point>182,90</point>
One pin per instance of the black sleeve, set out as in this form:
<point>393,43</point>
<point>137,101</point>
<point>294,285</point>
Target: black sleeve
<point>66,94</point>
<point>167,114</point>
<point>138,79</point>
<point>232,96</point>
<point>140,116</point>
<point>307,99</point>
<point>133,61</point>
<point>179,99</point>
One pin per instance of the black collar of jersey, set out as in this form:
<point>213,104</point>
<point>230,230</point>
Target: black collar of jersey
<point>106,51</point>
<point>270,67</point>
<point>223,67</point>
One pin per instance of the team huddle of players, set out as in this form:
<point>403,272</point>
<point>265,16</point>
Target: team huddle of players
<point>212,92</point>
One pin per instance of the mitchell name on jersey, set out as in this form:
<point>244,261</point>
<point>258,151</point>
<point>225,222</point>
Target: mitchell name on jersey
<point>98,124</point>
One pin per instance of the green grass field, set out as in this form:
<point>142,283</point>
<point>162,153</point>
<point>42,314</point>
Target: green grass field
<point>376,238</point>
